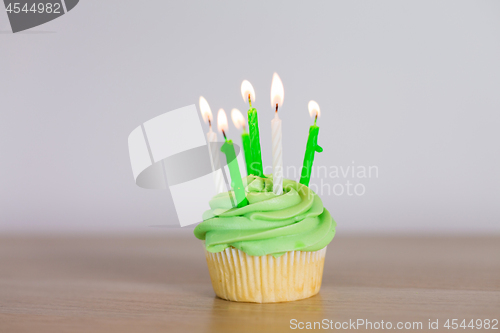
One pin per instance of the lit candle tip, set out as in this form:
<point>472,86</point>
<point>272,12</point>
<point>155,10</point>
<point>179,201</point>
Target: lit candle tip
<point>206,113</point>
<point>314,110</point>
<point>277,91</point>
<point>237,118</point>
<point>247,92</point>
<point>222,121</point>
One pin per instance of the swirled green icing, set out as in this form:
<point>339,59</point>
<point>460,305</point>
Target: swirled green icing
<point>269,224</point>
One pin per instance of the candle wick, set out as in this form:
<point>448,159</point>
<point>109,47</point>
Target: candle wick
<point>209,123</point>
<point>276,107</point>
<point>249,100</point>
<point>224,134</point>
<point>315,118</point>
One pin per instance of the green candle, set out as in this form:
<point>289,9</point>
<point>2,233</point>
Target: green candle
<point>245,139</point>
<point>232,163</point>
<point>253,127</point>
<point>234,170</point>
<point>248,94</point>
<point>311,147</point>
<point>239,122</point>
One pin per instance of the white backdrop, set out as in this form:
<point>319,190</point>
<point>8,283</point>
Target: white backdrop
<point>411,88</point>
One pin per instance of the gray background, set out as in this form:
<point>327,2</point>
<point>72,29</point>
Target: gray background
<point>411,87</point>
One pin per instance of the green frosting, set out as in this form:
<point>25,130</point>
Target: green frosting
<point>269,224</point>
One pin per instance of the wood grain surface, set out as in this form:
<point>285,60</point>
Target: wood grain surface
<point>161,284</point>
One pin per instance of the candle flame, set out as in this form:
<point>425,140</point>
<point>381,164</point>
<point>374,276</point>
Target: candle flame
<point>314,109</point>
<point>237,118</point>
<point>206,113</point>
<point>247,89</point>
<point>277,91</point>
<point>222,120</point>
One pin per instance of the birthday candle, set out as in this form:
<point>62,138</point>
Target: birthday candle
<point>239,122</point>
<point>312,145</point>
<point>232,163</point>
<point>277,96</point>
<point>206,113</point>
<point>248,94</point>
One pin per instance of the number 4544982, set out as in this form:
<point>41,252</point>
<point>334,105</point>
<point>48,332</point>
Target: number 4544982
<point>49,8</point>
<point>477,324</point>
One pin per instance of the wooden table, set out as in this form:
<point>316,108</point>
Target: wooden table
<point>161,284</point>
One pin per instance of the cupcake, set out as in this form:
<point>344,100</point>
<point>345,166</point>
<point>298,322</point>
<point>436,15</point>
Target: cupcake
<point>273,249</point>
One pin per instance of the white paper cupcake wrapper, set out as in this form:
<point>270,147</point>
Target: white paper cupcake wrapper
<point>237,276</point>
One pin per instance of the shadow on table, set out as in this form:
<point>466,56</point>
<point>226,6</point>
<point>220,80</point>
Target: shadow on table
<point>227,316</point>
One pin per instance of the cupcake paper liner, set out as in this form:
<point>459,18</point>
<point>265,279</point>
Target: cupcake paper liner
<point>239,277</point>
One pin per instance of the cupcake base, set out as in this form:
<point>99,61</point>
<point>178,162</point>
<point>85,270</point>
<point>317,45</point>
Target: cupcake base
<point>239,277</point>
